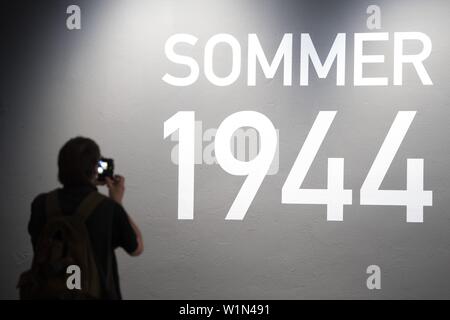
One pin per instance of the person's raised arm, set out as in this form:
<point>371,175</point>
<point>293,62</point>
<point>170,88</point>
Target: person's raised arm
<point>116,189</point>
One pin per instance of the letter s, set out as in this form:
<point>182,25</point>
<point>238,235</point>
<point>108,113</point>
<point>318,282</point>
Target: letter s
<point>179,59</point>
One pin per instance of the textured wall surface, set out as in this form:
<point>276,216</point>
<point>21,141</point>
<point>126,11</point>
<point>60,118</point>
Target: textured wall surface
<point>104,81</point>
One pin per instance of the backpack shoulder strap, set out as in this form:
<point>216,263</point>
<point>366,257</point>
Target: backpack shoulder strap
<point>89,204</point>
<point>52,204</point>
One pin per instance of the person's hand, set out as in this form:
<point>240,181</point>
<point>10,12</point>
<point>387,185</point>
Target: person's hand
<point>116,187</point>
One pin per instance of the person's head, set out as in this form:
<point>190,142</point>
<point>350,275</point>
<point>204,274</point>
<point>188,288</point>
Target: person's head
<point>77,162</point>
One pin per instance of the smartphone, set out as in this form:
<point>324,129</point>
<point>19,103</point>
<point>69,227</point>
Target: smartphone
<point>105,168</point>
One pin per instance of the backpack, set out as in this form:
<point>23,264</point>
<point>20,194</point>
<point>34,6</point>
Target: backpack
<point>64,241</point>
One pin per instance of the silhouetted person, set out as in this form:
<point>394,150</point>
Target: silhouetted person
<point>107,224</point>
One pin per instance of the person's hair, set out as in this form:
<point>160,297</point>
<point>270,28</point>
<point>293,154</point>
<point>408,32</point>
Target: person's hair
<point>77,161</point>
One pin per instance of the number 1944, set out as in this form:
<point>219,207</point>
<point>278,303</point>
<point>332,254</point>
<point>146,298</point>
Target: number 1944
<point>414,197</point>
